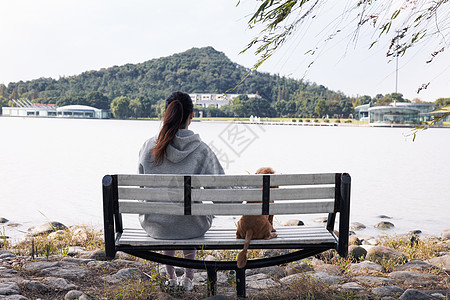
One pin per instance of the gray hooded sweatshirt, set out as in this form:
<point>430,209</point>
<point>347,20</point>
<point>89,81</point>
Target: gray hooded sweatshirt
<point>186,154</point>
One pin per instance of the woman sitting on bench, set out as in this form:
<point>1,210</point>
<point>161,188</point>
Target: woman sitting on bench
<point>177,150</point>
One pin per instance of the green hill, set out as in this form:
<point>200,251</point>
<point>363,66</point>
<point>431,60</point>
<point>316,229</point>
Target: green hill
<point>198,70</point>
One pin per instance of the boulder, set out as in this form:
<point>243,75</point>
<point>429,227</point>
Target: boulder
<point>384,225</point>
<point>3,220</point>
<point>374,280</point>
<point>411,277</point>
<point>357,226</point>
<point>36,286</point>
<point>293,222</point>
<point>46,228</point>
<point>414,232</point>
<point>384,217</point>
<point>389,290</point>
<point>412,294</point>
<point>356,253</point>
<point>441,262</point>
<point>351,286</point>
<point>59,283</point>
<point>445,234</point>
<point>75,295</point>
<point>329,268</point>
<point>260,281</point>
<point>326,278</point>
<point>298,267</point>
<point>127,273</point>
<point>380,253</point>
<point>415,265</point>
<point>9,288</point>
<point>366,268</point>
<point>273,271</point>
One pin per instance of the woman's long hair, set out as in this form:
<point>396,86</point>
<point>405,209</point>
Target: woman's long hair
<point>178,109</point>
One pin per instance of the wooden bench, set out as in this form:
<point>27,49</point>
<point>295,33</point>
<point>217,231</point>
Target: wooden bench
<point>193,195</point>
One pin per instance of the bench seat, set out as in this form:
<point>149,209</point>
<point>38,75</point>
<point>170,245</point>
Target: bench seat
<point>293,237</point>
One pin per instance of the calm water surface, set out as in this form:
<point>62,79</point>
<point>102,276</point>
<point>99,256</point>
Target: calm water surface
<point>51,169</point>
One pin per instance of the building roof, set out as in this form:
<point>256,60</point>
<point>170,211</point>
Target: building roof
<point>77,107</point>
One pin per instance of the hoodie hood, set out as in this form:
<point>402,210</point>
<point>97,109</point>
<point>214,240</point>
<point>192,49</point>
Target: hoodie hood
<point>183,144</point>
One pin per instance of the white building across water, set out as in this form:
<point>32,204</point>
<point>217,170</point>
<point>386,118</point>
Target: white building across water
<point>25,108</point>
<point>217,100</point>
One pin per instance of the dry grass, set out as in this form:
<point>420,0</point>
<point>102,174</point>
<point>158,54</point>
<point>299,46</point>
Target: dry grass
<point>58,242</point>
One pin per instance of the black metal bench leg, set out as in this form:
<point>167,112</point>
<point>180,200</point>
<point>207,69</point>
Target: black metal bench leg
<point>240,283</point>
<point>212,281</point>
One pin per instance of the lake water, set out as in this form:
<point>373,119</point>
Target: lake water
<point>51,169</point>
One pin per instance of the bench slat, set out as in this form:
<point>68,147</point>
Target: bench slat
<point>298,234</point>
<point>202,209</point>
<point>225,195</point>
<point>223,180</point>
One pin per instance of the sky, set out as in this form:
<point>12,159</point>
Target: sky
<point>54,38</point>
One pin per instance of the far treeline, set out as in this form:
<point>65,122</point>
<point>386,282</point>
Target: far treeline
<point>139,90</point>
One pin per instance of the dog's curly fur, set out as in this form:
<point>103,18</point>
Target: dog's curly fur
<point>254,227</point>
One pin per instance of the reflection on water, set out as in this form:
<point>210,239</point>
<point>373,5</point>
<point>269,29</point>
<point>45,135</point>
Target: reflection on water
<point>51,169</point>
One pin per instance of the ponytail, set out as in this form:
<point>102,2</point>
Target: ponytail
<point>178,109</point>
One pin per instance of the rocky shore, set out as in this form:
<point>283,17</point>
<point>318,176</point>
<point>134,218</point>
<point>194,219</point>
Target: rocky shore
<point>375,269</point>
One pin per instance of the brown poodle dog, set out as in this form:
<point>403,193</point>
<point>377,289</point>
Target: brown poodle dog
<point>254,227</point>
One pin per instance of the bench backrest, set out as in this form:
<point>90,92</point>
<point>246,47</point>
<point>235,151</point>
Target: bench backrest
<point>231,194</point>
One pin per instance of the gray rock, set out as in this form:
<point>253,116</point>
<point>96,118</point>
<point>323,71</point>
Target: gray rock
<point>351,286</point>
<point>389,290</point>
<point>415,265</point>
<point>294,278</point>
<point>96,254</point>
<point>379,253</point>
<point>293,222</point>
<point>330,269</point>
<point>411,277</point>
<point>356,253</point>
<point>384,217</point>
<point>39,265</point>
<point>67,272</point>
<point>124,274</point>
<point>326,278</point>
<point>298,267</point>
<point>412,294</point>
<point>357,226</point>
<point>59,283</point>
<point>3,220</point>
<point>274,271</point>
<point>75,250</point>
<point>445,234</point>
<point>78,261</point>
<point>126,262</point>
<point>202,277</point>
<point>366,268</point>
<point>260,281</point>
<point>75,295</point>
<point>9,288</point>
<point>36,286</point>
<point>384,225</point>
<point>46,228</point>
<point>104,265</point>
<point>7,254</point>
<point>374,280</point>
<point>7,273</point>
<point>441,262</point>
